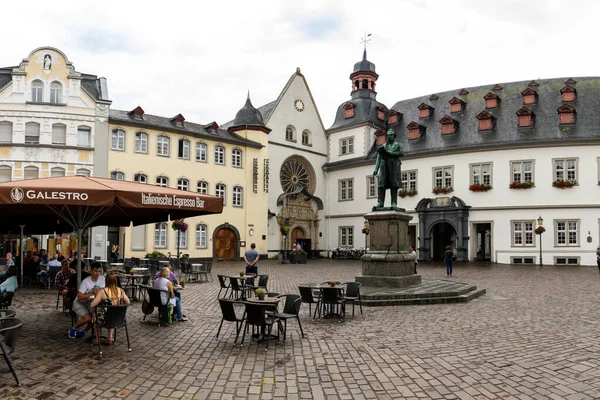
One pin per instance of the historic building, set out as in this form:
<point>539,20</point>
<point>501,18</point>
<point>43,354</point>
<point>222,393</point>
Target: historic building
<point>481,165</point>
<point>53,120</point>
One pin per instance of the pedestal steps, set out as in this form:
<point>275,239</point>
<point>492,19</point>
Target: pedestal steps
<point>430,292</point>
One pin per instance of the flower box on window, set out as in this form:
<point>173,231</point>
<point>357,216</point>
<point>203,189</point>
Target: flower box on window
<point>403,193</point>
<point>521,185</point>
<point>476,187</point>
<point>564,184</point>
<point>442,190</point>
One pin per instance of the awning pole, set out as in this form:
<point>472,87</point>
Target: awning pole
<point>21,252</point>
<point>78,258</point>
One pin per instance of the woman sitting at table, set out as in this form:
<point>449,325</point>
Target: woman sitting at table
<point>172,278</point>
<point>112,294</point>
<point>164,284</point>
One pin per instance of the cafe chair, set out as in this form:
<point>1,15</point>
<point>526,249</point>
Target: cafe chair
<point>9,331</point>
<point>331,300</point>
<point>209,270</point>
<point>262,283</point>
<point>306,292</point>
<point>114,318</point>
<point>352,294</point>
<point>236,288</point>
<point>230,315</point>
<point>223,285</point>
<point>291,309</point>
<point>6,300</point>
<point>154,301</point>
<point>257,317</point>
<point>6,313</point>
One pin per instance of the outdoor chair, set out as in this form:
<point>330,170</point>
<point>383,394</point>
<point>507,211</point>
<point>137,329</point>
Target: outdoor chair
<point>195,272</point>
<point>203,271</point>
<point>230,315</point>
<point>236,288</point>
<point>114,318</point>
<point>6,300</point>
<point>209,270</point>
<point>9,331</point>
<point>256,317</point>
<point>64,308</point>
<point>331,298</point>
<point>154,300</point>
<point>262,283</point>
<point>352,294</point>
<point>291,309</point>
<point>7,313</point>
<point>308,297</point>
<point>223,285</point>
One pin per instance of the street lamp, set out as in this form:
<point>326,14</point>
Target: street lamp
<point>366,232</point>
<point>539,230</point>
<point>283,222</point>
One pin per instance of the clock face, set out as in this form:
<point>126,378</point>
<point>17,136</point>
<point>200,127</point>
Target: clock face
<point>299,105</point>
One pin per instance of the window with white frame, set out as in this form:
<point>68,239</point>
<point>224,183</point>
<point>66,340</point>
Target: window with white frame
<point>5,173</point>
<point>141,142</point>
<point>57,171</point>
<point>183,184</point>
<point>565,169</point>
<point>346,189</point>
<point>55,93</point>
<point>220,155</point>
<point>37,91</point>
<point>31,172</point>
<point>201,154</point>
<point>140,178</point>
<point>306,138</point>
<point>523,233</point>
<point>32,133</point>
<point>201,230</point>
<point>290,133</point>
<point>347,145</point>
<point>238,196</point>
<point>59,134</point>
<point>6,129</point>
<point>83,172</point>
<point>202,187</point>
<point>162,146</point>
<point>84,134</point>
<point>182,239</point>
<point>162,181</point>
<point>346,236</point>
<point>567,232</point>
<point>118,140</point>
<point>371,187</point>
<point>442,177</point>
<point>522,171</point>
<point>160,235</point>
<point>117,175</point>
<point>220,191</point>
<point>481,174</point>
<point>408,180</point>
<point>236,158</point>
<point>184,149</point>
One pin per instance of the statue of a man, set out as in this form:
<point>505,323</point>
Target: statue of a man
<point>387,168</point>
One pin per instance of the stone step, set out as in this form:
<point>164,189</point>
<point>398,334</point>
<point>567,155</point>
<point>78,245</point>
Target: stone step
<point>423,300</point>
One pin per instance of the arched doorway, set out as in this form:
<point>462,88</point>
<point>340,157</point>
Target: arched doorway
<point>443,235</point>
<point>226,243</point>
<point>297,236</point>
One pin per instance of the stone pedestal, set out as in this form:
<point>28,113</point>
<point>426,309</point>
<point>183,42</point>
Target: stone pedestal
<point>388,263</point>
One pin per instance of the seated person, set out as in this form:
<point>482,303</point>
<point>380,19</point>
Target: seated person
<point>60,256</point>
<point>43,256</point>
<point>32,267</point>
<point>115,296</point>
<point>164,284</point>
<point>9,263</point>
<point>173,279</point>
<point>88,289</point>
<point>74,262</point>
<point>10,284</point>
<point>62,279</point>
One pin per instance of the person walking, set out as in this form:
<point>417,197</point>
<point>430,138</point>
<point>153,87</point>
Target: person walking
<point>449,258</point>
<point>598,257</point>
<point>414,254</point>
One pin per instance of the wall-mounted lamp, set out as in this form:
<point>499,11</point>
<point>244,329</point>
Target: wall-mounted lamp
<point>251,232</point>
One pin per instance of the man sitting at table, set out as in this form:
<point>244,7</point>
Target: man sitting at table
<point>88,289</point>
<point>43,256</point>
<point>32,267</point>
<point>62,279</point>
<point>9,263</point>
<point>10,284</point>
<point>74,262</point>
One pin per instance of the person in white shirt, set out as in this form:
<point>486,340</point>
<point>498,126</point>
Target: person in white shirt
<point>414,253</point>
<point>54,262</point>
<point>88,289</point>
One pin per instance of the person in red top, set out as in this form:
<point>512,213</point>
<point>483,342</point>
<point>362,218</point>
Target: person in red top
<point>61,280</point>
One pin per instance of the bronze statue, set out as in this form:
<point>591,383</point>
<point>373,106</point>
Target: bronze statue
<point>387,168</point>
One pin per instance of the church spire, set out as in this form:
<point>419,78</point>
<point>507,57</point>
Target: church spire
<point>364,78</point>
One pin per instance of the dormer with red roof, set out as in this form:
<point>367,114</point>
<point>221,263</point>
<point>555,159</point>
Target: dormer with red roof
<point>449,125</point>
<point>566,114</point>
<point>463,92</point>
<point>526,117</point>
<point>456,105</point>
<point>137,113</point>
<point>497,87</point>
<point>213,128</point>
<point>415,131</point>
<point>178,121</point>
<point>349,110</point>
<point>491,100</point>
<point>381,112</point>
<point>529,96</point>
<point>486,121</point>
<point>533,84</point>
<point>568,93</point>
<point>425,110</point>
<point>393,117</point>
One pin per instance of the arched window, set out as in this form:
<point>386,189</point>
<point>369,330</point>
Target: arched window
<point>306,138</point>
<point>117,175</point>
<point>118,139</point>
<point>220,191</point>
<point>37,91</point>
<point>55,93</point>
<point>162,146</point>
<point>5,173</point>
<point>59,134</point>
<point>203,187</point>
<point>83,172</point>
<point>238,194</point>
<point>290,133</point>
<point>140,178</point>
<point>236,158</point>
<point>162,181</point>
<point>57,171</point>
<point>6,129</point>
<point>201,154</point>
<point>160,235</point>
<point>32,133</point>
<point>183,184</point>
<point>31,173</point>
<point>201,242</point>
<point>84,136</point>
<point>141,142</point>
<point>220,155</point>
<point>184,149</point>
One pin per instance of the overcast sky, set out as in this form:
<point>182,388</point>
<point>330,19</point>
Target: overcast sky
<point>200,58</point>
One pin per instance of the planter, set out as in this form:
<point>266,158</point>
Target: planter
<point>442,190</point>
<point>409,193</point>
<point>261,296</point>
<point>299,258</point>
<point>564,184</point>
<point>480,187</point>
<point>521,185</point>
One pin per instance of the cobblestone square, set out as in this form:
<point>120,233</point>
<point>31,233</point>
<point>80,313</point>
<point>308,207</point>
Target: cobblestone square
<point>533,335</point>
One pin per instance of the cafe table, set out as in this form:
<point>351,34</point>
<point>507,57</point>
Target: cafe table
<point>243,282</point>
<point>270,304</point>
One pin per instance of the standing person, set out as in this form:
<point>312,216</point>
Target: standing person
<point>251,259</point>
<point>298,247</point>
<point>448,257</point>
<point>88,290</point>
<point>597,257</point>
<point>414,253</point>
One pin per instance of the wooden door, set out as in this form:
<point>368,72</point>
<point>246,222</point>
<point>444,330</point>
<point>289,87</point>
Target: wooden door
<point>297,233</point>
<point>225,244</point>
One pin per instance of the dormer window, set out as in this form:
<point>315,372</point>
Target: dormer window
<point>463,92</point>
<point>526,117</point>
<point>533,84</point>
<point>568,93</point>
<point>486,121</point>
<point>178,121</point>
<point>380,137</point>
<point>497,87</point>
<point>570,81</point>
<point>491,100</point>
<point>213,128</point>
<point>449,125</point>
<point>425,110</point>
<point>433,97</point>
<point>566,114</point>
<point>348,110</point>
<point>393,117</point>
<point>529,96</point>
<point>381,110</point>
<point>415,131</point>
<point>137,113</point>
<point>456,104</point>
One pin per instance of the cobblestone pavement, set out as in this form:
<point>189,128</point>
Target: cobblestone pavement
<point>534,335</point>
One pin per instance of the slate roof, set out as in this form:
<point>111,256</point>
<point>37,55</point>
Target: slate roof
<point>5,76</point>
<point>248,115</point>
<point>365,111</point>
<point>190,129</point>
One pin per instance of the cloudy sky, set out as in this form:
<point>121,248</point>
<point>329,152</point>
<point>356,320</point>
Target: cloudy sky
<point>200,58</point>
